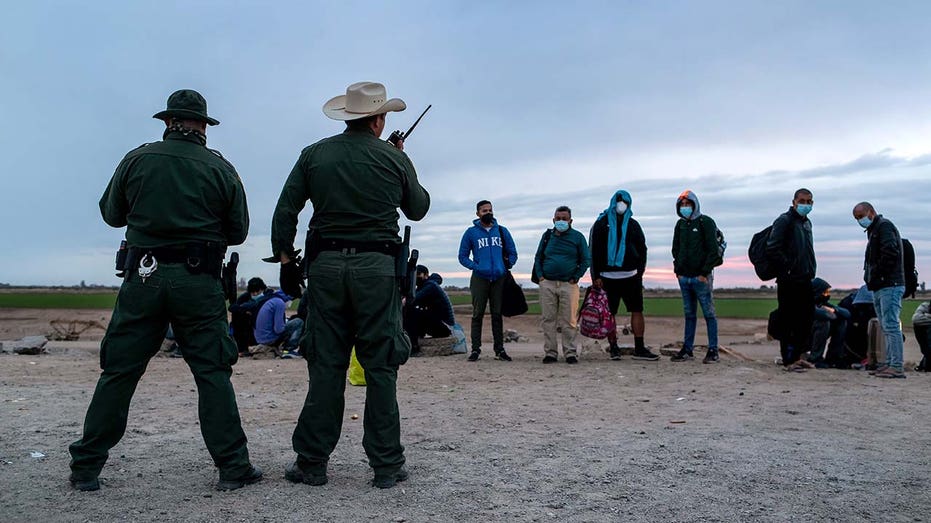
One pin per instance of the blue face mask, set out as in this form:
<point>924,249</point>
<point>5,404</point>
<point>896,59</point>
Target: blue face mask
<point>803,209</point>
<point>259,297</point>
<point>865,222</point>
<point>685,211</point>
<point>561,226</point>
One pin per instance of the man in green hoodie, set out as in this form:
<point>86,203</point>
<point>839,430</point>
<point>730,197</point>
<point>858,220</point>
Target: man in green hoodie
<point>562,258</point>
<point>695,254</point>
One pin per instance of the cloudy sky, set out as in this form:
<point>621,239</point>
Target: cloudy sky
<point>535,104</point>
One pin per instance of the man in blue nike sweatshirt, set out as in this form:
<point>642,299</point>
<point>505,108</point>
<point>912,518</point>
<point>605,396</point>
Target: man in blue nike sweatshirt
<point>493,253</point>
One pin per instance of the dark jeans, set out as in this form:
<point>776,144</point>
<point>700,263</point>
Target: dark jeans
<point>796,314</point>
<point>821,330</point>
<point>241,325</point>
<point>923,336</point>
<point>485,292</point>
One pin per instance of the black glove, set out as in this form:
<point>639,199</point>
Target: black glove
<point>291,278</point>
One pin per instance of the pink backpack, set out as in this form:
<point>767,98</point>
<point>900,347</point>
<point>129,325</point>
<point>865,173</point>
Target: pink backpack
<point>595,318</point>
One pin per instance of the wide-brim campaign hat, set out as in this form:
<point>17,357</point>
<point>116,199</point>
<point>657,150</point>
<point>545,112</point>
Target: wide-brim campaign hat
<point>187,104</point>
<point>362,99</point>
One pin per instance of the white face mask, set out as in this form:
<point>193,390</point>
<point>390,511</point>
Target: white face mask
<point>621,207</point>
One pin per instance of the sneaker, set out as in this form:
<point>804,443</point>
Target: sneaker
<point>294,474</point>
<point>390,480</point>
<point>84,485</point>
<point>711,357</point>
<point>502,356</point>
<point>794,367</point>
<point>877,369</point>
<point>549,359</point>
<point>645,354</point>
<point>474,355</point>
<point>571,360</point>
<point>890,372</point>
<point>290,355</point>
<point>683,355</point>
<point>615,353</point>
<point>253,475</point>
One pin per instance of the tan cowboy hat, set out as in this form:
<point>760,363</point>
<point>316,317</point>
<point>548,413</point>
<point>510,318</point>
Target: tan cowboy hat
<point>362,99</point>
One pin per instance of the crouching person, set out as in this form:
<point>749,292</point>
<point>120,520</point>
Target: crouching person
<point>274,331</point>
<point>829,322</point>
<point>921,322</point>
<point>432,312</point>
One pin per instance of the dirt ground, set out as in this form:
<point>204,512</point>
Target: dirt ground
<point>491,441</point>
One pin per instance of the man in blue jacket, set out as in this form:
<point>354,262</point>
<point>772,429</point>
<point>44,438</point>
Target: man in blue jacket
<point>273,330</point>
<point>493,253</point>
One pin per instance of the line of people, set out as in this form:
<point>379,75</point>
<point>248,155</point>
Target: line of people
<point>617,256</point>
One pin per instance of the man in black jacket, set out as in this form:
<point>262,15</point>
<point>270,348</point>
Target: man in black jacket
<point>791,248</point>
<point>432,312</point>
<point>884,274</point>
<point>619,258</point>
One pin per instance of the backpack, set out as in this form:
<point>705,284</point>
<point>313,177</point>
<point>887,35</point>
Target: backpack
<point>911,274</point>
<point>595,318</point>
<point>764,267</point>
<point>719,238</point>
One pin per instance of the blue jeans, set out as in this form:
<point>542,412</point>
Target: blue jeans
<point>694,290</point>
<point>888,304</point>
<point>291,337</point>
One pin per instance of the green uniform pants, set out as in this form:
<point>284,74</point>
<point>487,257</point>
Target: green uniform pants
<point>195,307</point>
<point>354,300</point>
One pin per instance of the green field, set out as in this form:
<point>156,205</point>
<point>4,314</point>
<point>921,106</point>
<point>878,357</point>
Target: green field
<point>666,306</point>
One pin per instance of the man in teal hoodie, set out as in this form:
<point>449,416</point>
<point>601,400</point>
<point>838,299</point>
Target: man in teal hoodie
<point>695,254</point>
<point>619,259</point>
<point>561,260</point>
<point>493,253</point>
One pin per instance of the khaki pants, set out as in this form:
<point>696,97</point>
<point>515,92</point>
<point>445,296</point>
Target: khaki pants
<point>559,303</point>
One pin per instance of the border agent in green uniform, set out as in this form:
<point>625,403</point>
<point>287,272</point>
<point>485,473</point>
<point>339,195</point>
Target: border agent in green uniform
<point>356,182</point>
<point>182,205</point>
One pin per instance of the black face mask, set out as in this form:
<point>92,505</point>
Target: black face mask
<point>821,300</point>
<point>420,282</point>
<point>487,219</point>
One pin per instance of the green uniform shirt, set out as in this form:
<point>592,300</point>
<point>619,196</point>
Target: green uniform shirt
<point>176,191</point>
<point>356,183</point>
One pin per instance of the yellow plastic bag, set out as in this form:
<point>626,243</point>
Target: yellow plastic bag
<point>356,372</point>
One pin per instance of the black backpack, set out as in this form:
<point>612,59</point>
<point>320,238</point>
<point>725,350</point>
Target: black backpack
<point>719,238</point>
<point>911,273</point>
<point>764,267</point>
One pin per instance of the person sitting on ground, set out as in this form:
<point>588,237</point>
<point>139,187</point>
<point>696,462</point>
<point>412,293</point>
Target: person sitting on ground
<point>860,305</point>
<point>921,322</point>
<point>432,312</point>
<point>244,311</point>
<point>173,350</point>
<point>273,330</point>
<point>830,321</point>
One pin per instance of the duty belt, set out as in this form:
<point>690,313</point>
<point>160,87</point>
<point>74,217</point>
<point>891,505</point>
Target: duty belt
<point>355,247</point>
